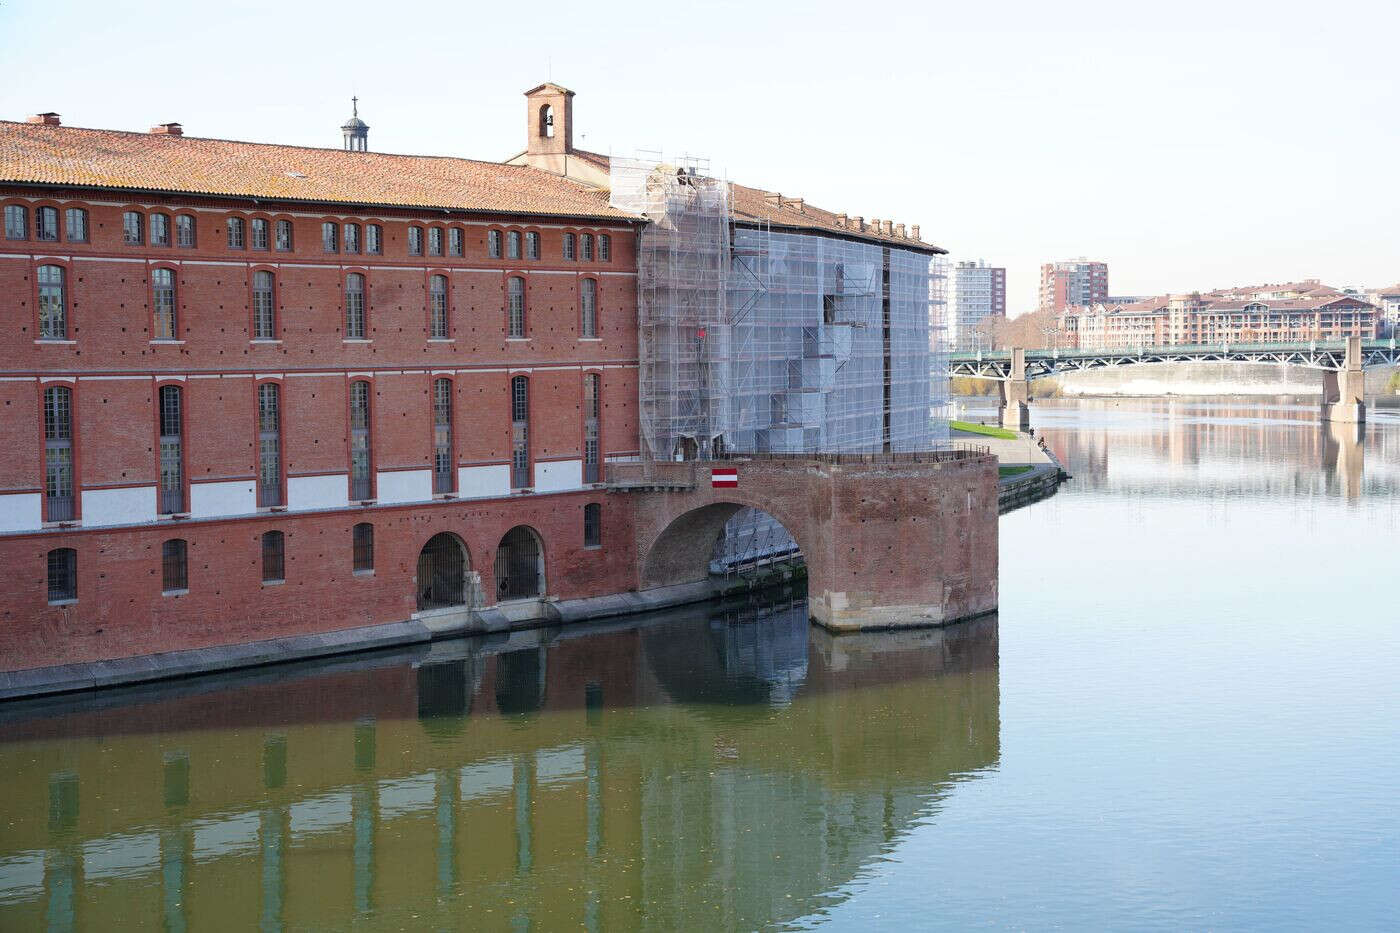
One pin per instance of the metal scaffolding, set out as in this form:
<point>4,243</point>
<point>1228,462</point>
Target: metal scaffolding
<point>757,340</point>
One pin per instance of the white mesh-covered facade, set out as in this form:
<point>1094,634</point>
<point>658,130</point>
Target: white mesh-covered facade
<point>756,337</point>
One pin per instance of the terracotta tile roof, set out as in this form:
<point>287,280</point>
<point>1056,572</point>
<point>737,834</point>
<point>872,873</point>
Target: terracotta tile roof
<point>755,205</point>
<point>64,155</point>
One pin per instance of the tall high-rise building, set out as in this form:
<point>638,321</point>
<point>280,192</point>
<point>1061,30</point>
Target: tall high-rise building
<point>979,292</point>
<point>1076,283</point>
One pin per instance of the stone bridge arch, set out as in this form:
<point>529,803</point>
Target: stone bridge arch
<point>889,540</point>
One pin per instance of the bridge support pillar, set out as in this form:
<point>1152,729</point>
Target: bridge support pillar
<point>1344,390</point>
<point>1016,395</point>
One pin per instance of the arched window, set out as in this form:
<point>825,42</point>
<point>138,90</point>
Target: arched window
<point>171,420</point>
<point>59,501</point>
<point>269,445</point>
<point>569,246</point>
<point>592,395</point>
<point>520,432</point>
<point>174,566</point>
<point>283,236</point>
<point>330,239</point>
<point>588,307</point>
<point>586,247</point>
<point>443,472</point>
<point>350,237</point>
<point>454,241</point>
<point>46,224</point>
<point>235,233</point>
<point>184,231</point>
<point>442,567</point>
<point>16,222</point>
<point>361,480</point>
<point>532,245</point>
<point>160,230</point>
<point>437,307</point>
<point>76,220</point>
<point>63,575</point>
<point>374,239</point>
<point>519,564</point>
<point>133,228</point>
<point>415,241</point>
<point>362,547</point>
<point>493,244</point>
<point>264,306</point>
<point>515,307</point>
<point>434,241</point>
<point>274,557</point>
<point>547,121</point>
<point>592,525</point>
<point>163,304</point>
<point>259,233</point>
<point>604,248</point>
<point>354,306</point>
<point>513,245</point>
<point>53,303</point>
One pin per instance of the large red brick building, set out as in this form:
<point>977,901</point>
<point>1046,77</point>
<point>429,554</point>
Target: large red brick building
<point>243,384</point>
<point>257,391</point>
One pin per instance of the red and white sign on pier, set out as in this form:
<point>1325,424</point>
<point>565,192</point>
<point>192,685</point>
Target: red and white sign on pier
<point>724,476</point>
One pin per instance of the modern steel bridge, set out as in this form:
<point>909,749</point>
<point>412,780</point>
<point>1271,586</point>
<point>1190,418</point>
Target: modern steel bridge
<point>1323,355</point>
<point>1340,361</point>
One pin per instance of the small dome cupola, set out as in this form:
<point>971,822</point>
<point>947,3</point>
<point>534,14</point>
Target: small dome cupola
<point>356,131</point>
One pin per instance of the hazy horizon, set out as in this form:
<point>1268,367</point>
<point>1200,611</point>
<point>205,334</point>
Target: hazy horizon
<point>1221,146</point>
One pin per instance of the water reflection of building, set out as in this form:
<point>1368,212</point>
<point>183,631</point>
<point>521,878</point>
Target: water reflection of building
<point>723,770</point>
<point>1149,447</point>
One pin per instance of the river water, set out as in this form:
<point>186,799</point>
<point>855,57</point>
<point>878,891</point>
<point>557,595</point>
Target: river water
<point>1185,715</point>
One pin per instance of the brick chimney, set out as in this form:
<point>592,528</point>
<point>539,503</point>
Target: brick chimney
<point>889,227</point>
<point>797,203</point>
<point>899,230</point>
<point>49,119</point>
<point>860,224</point>
<point>914,232</point>
<point>167,129</point>
<point>841,220</point>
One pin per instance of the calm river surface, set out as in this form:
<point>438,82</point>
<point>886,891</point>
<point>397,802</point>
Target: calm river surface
<point>1186,715</point>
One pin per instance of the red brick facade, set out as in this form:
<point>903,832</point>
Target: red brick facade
<point>114,366</point>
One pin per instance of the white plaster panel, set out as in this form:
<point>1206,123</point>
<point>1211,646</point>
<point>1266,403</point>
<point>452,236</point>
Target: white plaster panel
<point>560,474</point>
<point>406,795</point>
<point>405,486</point>
<point>119,506</point>
<point>318,492</point>
<point>122,856</point>
<point>228,836</point>
<point>235,497</point>
<point>21,511</point>
<point>496,776</point>
<point>482,481</point>
<point>326,813</point>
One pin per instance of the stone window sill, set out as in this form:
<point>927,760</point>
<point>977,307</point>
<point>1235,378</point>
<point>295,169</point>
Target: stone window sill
<point>590,340</point>
<point>54,342</point>
<point>166,343</point>
<point>266,341</point>
<point>63,602</point>
<point>592,547</point>
<point>364,573</point>
<point>442,340</point>
<point>273,582</point>
<point>180,592</point>
<point>357,340</point>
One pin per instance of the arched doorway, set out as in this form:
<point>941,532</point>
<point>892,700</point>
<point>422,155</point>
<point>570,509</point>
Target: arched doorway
<point>519,565</point>
<point>717,539</point>
<point>442,572</point>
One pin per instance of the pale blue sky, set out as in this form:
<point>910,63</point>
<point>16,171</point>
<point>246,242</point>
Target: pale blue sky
<point>1188,144</point>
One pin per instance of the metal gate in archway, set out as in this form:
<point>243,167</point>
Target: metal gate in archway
<point>442,572</point>
<point>519,565</point>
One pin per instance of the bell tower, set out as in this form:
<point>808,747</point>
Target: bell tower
<point>355,130</point>
<point>549,126</point>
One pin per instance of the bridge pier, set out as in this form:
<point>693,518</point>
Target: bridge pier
<point>1016,395</point>
<point>890,540</point>
<point>1344,390</point>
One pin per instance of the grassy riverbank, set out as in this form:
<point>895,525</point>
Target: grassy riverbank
<point>986,430</point>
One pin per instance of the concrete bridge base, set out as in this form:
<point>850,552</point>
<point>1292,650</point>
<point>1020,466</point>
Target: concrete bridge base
<point>1016,395</point>
<point>889,540</point>
<point>1344,390</point>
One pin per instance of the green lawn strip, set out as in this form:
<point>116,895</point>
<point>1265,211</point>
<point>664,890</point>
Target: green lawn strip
<point>986,430</point>
<point>1014,470</point>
